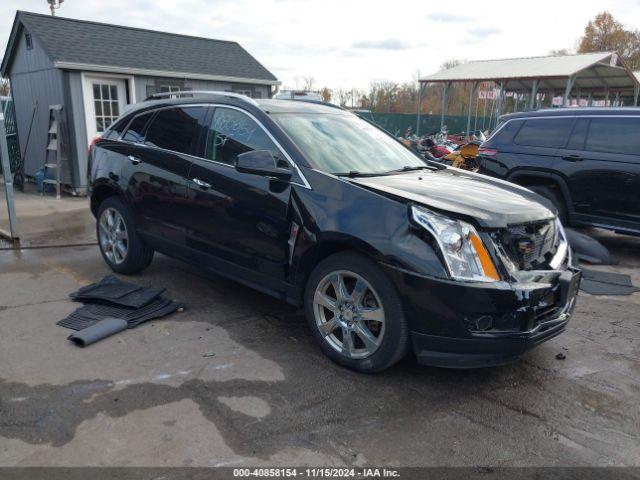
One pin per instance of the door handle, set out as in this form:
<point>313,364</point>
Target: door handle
<point>202,184</point>
<point>572,158</point>
<point>135,160</point>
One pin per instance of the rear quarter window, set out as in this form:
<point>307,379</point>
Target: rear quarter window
<point>503,134</point>
<point>544,132</point>
<point>135,132</point>
<point>114,132</point>
<point>614,135</point>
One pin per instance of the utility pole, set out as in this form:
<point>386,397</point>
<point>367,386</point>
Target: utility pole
<point>54,5</point>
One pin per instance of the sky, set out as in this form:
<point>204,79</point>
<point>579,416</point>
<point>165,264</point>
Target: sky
<point>351,43</point>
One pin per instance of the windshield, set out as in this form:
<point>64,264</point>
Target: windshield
<point>343,144</point>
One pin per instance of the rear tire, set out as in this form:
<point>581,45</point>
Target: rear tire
<point>364,328</point>
<point>551,194</point>
<point>120,245</point>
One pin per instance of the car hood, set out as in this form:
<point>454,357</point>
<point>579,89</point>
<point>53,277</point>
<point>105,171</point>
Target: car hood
<point>492,203</point>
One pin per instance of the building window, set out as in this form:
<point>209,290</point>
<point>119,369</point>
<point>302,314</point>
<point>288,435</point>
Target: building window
<point>170,89</point>
<point>29,41</point>
<point>106,102</point>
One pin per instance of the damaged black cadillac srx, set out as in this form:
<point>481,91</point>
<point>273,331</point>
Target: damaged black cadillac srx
<point>315,206</point>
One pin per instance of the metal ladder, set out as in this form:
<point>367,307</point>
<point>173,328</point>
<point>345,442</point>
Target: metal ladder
<point>54,153</point>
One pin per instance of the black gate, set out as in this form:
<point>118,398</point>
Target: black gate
<point>15,160</point>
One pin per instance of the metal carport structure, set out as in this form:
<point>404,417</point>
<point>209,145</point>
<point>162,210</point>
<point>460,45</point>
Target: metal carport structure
<point>594,75</point>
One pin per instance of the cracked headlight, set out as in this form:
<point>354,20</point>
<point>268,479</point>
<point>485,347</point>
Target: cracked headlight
<point>465,255</point>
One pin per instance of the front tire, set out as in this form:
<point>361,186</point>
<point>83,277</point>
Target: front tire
<point>355,313</point>
<point>120,245</point>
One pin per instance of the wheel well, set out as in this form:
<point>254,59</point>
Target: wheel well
<point>528,180</point>
<point>535,180</point>
<point>317,254</point>
<point>556,184</point>
<point>99,195</point>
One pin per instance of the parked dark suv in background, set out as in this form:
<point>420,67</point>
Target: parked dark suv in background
<point>311,204</point>
<point>586,161</point>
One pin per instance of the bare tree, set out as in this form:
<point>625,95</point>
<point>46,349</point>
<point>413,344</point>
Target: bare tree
<point>343,96</point>
<point>454,62</point>
<point>561,52</point>
<point>308,82</point>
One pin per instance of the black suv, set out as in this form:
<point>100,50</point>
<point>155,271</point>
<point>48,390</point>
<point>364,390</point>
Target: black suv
<point>585,161</point>
<point>311,204</point>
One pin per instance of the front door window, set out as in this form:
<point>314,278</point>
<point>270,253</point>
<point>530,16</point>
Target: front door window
<point>231,133</point>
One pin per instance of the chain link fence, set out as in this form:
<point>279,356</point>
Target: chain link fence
<point>398,123</point>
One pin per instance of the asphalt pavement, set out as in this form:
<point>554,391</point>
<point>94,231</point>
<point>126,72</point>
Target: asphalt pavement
<point>236,379</point>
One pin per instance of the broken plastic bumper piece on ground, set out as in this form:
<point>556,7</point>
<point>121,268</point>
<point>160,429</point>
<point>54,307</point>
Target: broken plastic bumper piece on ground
<point>96,332</point>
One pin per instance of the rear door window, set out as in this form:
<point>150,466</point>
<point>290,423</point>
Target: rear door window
<point>614,135</point>
<point>578,135</point>
<point>544,132</point>
<point>135,132</point>
<point>177,129</point>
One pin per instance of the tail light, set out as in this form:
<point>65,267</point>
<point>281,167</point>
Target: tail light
<point>487,152</point>
<point>93,143</point>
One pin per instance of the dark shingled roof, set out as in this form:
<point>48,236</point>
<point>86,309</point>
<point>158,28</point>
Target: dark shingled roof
<point>78,41</point>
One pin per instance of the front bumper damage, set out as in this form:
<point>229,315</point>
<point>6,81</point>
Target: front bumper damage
<point>468,325</point>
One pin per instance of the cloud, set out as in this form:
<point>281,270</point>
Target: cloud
<point>483,32</point>
<point>387,44</point>
<point>448,17</point>
<point>291,43</point>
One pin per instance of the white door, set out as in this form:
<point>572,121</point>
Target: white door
<point>105,99</point>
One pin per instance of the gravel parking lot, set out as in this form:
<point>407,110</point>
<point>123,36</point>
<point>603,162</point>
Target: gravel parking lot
<point>237,380</point>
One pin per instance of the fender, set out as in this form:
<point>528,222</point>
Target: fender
<point>412,253</point>
<point>311,249</point>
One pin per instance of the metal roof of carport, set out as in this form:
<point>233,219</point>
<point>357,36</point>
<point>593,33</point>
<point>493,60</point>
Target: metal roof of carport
<point>592,72</point>
<point>588,73</point>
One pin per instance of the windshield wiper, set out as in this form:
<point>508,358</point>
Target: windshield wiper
<point>406,168</point>
<point>411,168</point>
<point>356,173</point>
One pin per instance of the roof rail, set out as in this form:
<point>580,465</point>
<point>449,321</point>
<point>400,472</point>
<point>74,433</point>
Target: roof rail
<point>317,102</point>
<point>195,93</point>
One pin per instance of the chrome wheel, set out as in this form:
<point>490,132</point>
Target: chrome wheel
<point>349,314</point>
<point>113,237</point>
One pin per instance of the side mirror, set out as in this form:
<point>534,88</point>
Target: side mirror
<point>261,162</point>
